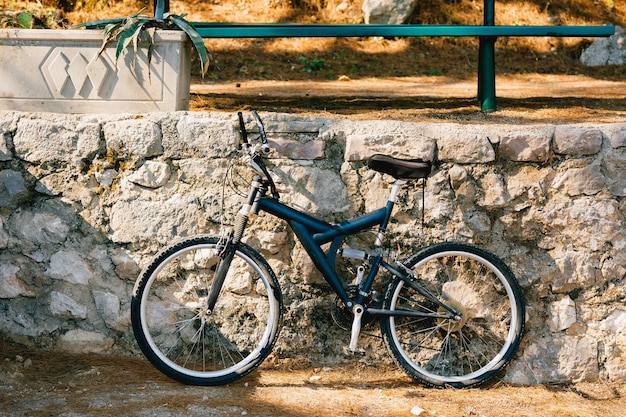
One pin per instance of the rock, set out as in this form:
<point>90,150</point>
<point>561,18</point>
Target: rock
<point>494,191</point>
<point>63,306</point>
<point>293,149</point>
<point>465,150</point>
<point>359,147</point>
<point>81,341</point>
<point>315,190</point>
<point>557,359</point>
<point>106,177</point>
<point>12,188</point>
<point>388,11</point>
<point>40,228</point>
<point>69,266</point>
<point>108,306</point>
<point>618,137</point>
<point>133,139</point>
<point>606,51</point>
<point>125,266</point>
<point>562,314</point>
<point>10,285</point>
<point>65,140</point>
<point>4,235</point>
<point>615,361</point>
<point>88,141</point>
<point>201,136</point>
<point>417,410</point>
<point>527,146</point>
<point>342,7</point>
<point>579,178</point>
<point>305,267</point>
<point>151,174</point>
<point>52,185</point>
<point>576,269</point>
<point>578,359</point>
<point>272,241</point>
<point>5,152</point>
<point>569,140</point>
<point>614,323</point>
<point>136,220</point>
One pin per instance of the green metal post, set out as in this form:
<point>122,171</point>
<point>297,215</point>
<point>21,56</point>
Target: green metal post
<point>160,8</point>
<point>487,63</point>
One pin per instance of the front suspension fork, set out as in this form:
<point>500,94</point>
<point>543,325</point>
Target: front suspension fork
<point>227,252</point>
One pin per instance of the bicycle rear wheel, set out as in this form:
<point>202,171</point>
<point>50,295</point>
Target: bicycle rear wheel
<point>177,333</point>
<point>458,352</point>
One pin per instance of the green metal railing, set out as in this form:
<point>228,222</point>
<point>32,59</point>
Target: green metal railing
<point>487,33</point>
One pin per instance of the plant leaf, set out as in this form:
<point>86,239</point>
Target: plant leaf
<point>99,24</point>
<point>128,30</point>
<point>126,36</point>
<point>196,39</point>
<point>25,19</point>
<point>109,35</point>
<point>150,51</point>
<point>135,41</point>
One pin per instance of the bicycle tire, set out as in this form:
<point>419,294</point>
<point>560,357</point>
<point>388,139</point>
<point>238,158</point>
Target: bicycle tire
<point>187,343</point>
<point>461,353</point>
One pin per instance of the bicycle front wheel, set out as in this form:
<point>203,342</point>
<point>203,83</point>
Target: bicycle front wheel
<point>181,337</point>
<point>462,351</point>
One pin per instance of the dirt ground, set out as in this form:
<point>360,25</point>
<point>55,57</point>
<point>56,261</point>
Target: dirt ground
<point>521,99</point>
<point>36,383</point>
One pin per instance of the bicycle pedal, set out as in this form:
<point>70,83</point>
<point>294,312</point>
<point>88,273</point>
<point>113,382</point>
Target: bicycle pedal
<point>353,352</point>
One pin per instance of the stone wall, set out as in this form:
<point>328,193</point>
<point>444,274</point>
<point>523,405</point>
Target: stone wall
<point>86,200</point>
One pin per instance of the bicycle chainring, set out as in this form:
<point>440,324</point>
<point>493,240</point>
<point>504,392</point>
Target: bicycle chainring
<point>342,316</point>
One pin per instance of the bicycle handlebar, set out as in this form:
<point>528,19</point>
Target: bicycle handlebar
<point>242,129</point>
<point>252,156</point>
<point>265,147</point>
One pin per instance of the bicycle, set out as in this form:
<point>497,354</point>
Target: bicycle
<point>207,310</point>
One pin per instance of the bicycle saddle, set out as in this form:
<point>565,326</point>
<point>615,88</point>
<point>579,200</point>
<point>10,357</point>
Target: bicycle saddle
<point>405,169</point>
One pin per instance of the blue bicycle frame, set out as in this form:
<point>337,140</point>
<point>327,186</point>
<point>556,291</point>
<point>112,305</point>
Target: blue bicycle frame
<point>314,233</point>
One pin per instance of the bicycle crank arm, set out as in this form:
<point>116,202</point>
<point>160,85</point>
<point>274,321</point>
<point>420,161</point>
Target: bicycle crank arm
<point>358,311</point>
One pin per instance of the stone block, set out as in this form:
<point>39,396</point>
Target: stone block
<point>525,146</point>
<point>573,140</point>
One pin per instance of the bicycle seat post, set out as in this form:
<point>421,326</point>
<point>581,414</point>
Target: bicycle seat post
<point>395,189</point>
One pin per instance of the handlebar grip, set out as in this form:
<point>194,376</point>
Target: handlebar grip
<point>259,123</point>
<point>242,129</point>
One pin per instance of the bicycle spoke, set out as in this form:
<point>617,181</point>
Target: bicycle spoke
<point>186,340</point>
<point>463,349</point>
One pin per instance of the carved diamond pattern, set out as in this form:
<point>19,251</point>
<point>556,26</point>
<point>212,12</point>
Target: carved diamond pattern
<point>58,72</point>
<point>77,71</point>
<point>97,71</point>
<point>77,76</point>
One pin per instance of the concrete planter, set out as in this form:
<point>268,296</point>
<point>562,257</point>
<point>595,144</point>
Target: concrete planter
<point>57,70</point>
